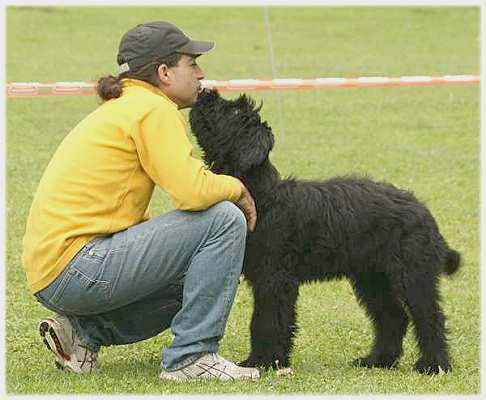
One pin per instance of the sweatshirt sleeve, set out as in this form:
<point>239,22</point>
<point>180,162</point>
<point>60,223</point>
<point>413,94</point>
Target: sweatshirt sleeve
<point>165,153</point>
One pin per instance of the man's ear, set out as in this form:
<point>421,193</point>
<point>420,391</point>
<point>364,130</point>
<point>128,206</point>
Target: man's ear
<point>165,74</point>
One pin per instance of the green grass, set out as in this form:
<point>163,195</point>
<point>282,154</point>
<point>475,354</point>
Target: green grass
<point>425,139</point>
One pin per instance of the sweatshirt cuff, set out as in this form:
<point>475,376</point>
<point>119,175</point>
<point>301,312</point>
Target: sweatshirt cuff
<point>236,189</point>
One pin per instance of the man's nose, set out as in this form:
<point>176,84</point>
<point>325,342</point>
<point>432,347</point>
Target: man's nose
<point>199,73</point>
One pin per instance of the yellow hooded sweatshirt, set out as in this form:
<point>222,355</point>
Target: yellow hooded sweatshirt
<point>101,178</point>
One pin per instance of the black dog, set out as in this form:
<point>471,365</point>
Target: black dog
<point>379,237</point>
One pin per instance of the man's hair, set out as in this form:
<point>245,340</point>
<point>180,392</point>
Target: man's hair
<point>110,87</point>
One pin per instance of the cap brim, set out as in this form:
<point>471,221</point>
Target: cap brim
<point>196,47</point>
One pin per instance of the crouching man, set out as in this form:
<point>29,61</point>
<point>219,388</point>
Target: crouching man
<point>92,254</point>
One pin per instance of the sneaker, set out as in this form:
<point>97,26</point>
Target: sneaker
<point>211,366</point>
<point>60,338</point>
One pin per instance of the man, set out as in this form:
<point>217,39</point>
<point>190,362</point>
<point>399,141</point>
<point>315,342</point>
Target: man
<point>91,252</point>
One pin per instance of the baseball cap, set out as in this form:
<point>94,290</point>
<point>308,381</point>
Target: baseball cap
<point>154,40</point>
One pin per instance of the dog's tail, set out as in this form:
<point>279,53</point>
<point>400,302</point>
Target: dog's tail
<point>453,261</point>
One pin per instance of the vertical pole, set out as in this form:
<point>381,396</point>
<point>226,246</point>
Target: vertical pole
<point>274,71</point>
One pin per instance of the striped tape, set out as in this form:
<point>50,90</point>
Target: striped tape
<point>35,89</point>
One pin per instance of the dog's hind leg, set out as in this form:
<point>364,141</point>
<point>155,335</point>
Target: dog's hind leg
<point>273,323</point>
<point>422,299</point>
<point>390,321</point>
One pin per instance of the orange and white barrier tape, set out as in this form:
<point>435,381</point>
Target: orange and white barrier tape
<point>35,89</point>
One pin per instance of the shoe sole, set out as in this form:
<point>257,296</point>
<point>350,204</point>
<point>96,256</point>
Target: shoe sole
<point>47,330</point>
<point>179,379</point>
<point>185,380</point>
<point>53,344</point>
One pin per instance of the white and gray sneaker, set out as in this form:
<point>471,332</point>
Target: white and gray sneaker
<point>211,366</point>
<point>60,338</point>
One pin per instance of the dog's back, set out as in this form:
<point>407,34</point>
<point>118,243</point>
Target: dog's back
<point>347,224</point>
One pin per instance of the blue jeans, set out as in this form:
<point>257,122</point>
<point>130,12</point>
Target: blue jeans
<point>179,270</point>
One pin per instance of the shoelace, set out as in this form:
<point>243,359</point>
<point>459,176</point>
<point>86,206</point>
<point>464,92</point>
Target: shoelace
<point>89,357</point>
<point>210,369</point>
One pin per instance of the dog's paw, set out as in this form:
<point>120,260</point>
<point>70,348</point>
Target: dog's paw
<point>374,362</point>
<point>432,367</point>
<point>265,364</point>
<point>250,362</point>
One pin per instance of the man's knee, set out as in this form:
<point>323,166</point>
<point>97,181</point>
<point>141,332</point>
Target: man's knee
<point>231,214</point>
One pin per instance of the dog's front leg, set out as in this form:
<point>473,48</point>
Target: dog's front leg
<point>273,323</point>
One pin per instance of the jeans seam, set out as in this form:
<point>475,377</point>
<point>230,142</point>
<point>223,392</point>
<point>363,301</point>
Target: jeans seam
<point>122,250</point>
<point>48,304</point>
<point>91,280</point>
<point>227,287</point>
<point>200,245</point>
<point>105,285</point>
<point>62,286</point>
<point>226,294</point>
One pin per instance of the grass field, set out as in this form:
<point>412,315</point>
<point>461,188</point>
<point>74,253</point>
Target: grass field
<point>424,139</point>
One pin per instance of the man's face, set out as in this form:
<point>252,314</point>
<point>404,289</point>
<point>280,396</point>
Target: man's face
<point>184,81</point>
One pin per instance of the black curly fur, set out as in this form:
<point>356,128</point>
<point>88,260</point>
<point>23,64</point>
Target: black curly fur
<point>382,239</point>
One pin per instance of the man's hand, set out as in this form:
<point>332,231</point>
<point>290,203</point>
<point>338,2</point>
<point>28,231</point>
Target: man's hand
<point>247,205</point>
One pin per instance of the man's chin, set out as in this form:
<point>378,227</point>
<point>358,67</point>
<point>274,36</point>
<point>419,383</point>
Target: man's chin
<point>189,103</point>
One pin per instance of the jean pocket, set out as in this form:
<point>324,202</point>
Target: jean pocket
<point>79,294</point>
<point>85,289</point>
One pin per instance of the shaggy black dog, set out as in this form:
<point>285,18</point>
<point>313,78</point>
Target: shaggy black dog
<point>382,239</point>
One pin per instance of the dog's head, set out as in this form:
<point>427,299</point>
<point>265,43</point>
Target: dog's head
<point>230,133</point>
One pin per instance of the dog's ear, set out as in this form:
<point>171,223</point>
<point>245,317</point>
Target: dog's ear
<point>254,151</point>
